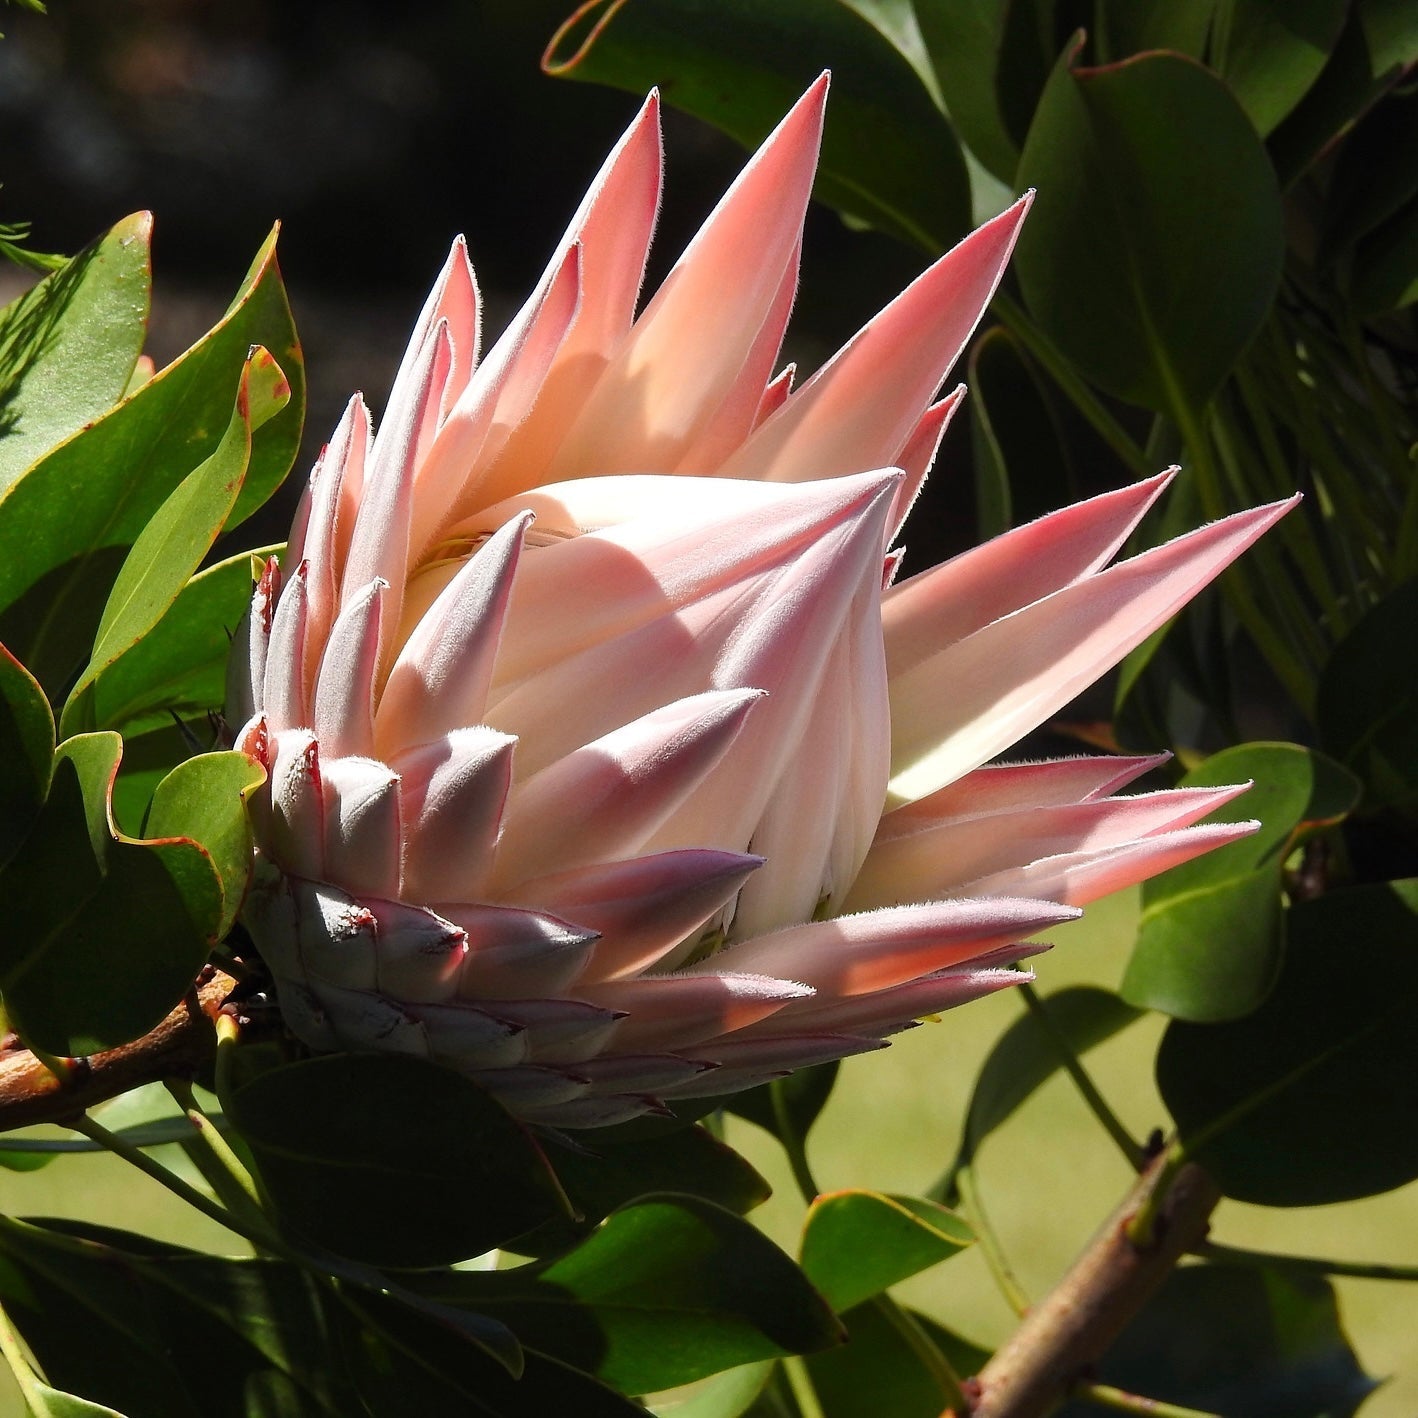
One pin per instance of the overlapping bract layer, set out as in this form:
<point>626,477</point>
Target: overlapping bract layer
<point>605,763</point>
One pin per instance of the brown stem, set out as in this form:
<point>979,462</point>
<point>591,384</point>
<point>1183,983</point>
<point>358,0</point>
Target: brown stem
<point>182,1044</point>
<point>1072,1328</point>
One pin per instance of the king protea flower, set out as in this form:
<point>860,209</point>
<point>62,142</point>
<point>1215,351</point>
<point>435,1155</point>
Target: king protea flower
<point>606,763</point>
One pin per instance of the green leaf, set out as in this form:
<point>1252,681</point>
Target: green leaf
<point>991,69</point>
<point>795,1102</point>
<point>1231,1339</point>
<point>180,664</point>
<point>86,907</point>
<point>1367,705</point>
<point>1385,276</point>
<point>1126,27</point>
<point>68,523</point>
<point>858,1243</point>
<point>46,1402</point>
<point>740,65</point>
<point>148,757</point>
<point>600,1173</point>
<point>668,1290</point>
<point>351,1147</point>
<point>1296,1105</point>
<point>878,1372</point>
<point>171,547</point>
<point>404,1366</point>
<point>1272,54</point>
<point>1212,936</point>
<point>1031,451</point>
<point>204,800</point>
<point>167,1333</point>
<point>1027,1055</point>
<point>896,21</point>
<point>1377,44</point>
<point>726,1395</point>
<point>68,345</point>
<point>26,752</point>
<point>1119,260</point>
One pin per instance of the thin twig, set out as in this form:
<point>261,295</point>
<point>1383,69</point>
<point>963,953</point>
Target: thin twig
<point>927,1354</point>
<point>1127,1144</point>
<point>801,1385</point>
<point>1063,1336</point>
<point>1315,1265</point>
<point>972,1208</point>
<point>178,1048</point>
<point>151,1167</point>
<point>1121,1401</point>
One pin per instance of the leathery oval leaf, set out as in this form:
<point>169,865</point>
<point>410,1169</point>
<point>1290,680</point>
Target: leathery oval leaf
<point>392,1160</point>
<point>858,1243</point>
<point>1298,1103</point>
<point>1211,937</point>
<point>668,1290</point>
<point>1146,301</point>
<point>81,896</point>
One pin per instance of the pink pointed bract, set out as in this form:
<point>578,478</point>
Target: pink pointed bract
<point>602,767</point>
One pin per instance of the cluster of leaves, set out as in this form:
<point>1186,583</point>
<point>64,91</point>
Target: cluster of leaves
<point>117,843</point>
<point>1220,268</point>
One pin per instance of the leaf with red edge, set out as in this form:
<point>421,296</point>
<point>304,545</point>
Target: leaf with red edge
<point>26,751</point>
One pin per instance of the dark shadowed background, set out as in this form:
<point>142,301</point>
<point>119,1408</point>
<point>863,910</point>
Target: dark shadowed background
<point>373,133</point>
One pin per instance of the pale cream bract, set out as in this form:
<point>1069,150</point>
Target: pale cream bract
<point>604,766</point>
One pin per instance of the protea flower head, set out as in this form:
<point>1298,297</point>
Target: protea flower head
<point>605,762</point>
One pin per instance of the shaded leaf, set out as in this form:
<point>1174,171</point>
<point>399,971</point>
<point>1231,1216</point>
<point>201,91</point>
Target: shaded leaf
<point>1032,453</point>
<point>967,44</point>
<point>668,1290</point>
<point>1272,54</point>
<point>1027,1055</point>
<point>1211,936</point>
<point>858,1243</point>
<point>1126,27</point>
<point>68,345</point>
<point>404,1366</point>
<point>1379,40</point>
<point>600,1173</point>
<point>204,799</point>
<point>158,1322</point>
<point>1309,1099</point>
<point>1249,1343</point>
<point>68,523</point>
<point>878,1372</point>
<point>171,547</point>
<point>792,1104</point>
<point>391,1160</point>
<point>740,65</point>
<point>1367,705</point>
<point>26,752</point>
<point>1120,263</point>
<point>79,899</point>
<point>897,21</point>
<point>180,664</point>
<point>1385,275</point>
